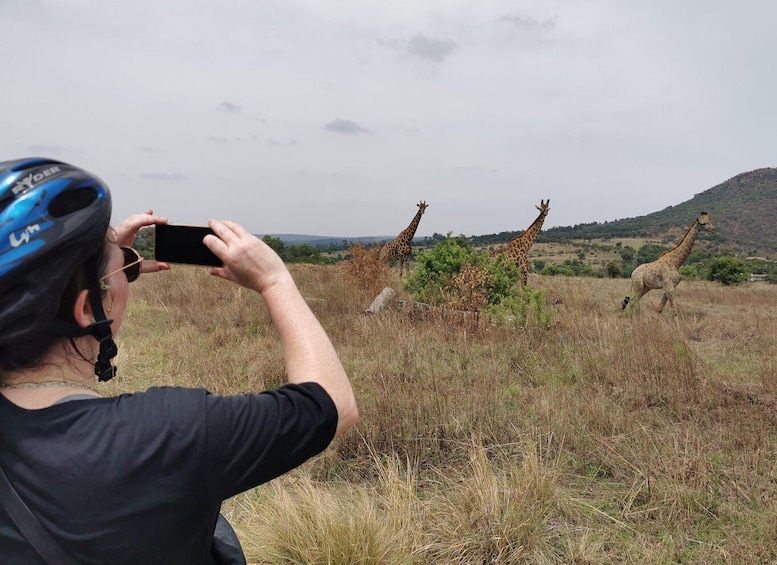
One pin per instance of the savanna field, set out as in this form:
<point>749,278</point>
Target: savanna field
<point>600,437</point>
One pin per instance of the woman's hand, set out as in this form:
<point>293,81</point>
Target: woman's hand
<point>128,229</point>
<point>248,260</point>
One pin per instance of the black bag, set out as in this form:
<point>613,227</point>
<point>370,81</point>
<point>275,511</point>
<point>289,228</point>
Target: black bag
<point>226,548</point>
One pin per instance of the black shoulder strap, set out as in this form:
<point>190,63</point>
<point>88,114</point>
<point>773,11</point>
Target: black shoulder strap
<point>30,527</point>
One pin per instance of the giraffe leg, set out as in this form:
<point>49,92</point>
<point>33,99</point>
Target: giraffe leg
<point>668,297</point>
<point>637,290</point>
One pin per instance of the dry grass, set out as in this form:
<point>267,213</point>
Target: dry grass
<point>610,437</point>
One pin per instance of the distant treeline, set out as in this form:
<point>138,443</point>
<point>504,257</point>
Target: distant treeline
<point>702,261</point>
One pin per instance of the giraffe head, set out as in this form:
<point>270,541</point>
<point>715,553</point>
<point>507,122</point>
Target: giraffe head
<point>544,207</point>
<point>422,206</point>
<point>705,224</point>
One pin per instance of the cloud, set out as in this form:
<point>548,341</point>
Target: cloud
<point>49,149</point>
<point>340,125</point>
<point>21,7</point>
<point>217,139</point>
<point>525,23</point>
<point>227,106</point>
<point>436,50</point>
<point>164,176</point>
<point>280,143</point>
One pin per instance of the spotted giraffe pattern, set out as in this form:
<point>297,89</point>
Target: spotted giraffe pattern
<point>399,249</point>
<point>664,272</point>
<point>517,249</point>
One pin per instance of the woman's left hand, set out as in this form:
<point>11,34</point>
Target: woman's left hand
<point>128,229</point>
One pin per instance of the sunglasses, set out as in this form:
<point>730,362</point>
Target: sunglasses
<point>131,268</point>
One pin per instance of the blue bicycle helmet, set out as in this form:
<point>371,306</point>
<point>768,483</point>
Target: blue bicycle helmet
<point>53,220</point>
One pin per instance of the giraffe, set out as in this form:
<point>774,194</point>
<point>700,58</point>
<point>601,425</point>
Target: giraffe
<point>517,249</point>
<point>664,272</point>
<point>399,248</point>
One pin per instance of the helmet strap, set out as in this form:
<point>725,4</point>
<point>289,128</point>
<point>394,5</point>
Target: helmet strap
<point>101,328</point>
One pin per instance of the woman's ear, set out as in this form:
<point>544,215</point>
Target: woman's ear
<point>82,309</point>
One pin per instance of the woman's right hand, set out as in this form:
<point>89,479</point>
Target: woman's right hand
<point>308,353</point>
<point>248,261</point>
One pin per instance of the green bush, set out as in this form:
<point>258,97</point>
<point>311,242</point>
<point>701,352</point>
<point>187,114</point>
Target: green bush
<point>453,274</point>
<point>614,269</point>
<point>689,272</point>
<point>728,270</point>
<point>437,267</point>
<point>302,253</point>
<point>526,306</point>
<point>552,270</point>
<point>649,253</point>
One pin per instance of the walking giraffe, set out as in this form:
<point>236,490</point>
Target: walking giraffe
<point>664,272</point>
<point>517,249</point>
<point>399,248</point>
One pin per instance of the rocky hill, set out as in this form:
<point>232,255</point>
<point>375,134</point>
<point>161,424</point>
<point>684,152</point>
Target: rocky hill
<point>743,209</point>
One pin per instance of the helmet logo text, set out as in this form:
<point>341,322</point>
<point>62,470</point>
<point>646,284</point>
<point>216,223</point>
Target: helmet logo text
<point>23,236</point>
<point>27,182</point>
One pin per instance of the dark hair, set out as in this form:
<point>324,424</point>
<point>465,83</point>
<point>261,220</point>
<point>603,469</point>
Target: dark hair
<point>29,353</point>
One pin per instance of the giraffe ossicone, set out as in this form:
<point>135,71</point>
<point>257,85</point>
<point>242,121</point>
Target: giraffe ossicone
<point>664,272</point>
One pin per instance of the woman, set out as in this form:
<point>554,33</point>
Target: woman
<point>137,478</point>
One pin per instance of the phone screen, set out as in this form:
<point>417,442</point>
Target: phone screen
<point>183,244</point>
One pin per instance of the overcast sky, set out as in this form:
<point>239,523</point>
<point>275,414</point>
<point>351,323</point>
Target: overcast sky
<point>337,117</point>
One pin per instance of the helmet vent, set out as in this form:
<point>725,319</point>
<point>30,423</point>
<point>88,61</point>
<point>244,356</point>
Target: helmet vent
<point>72,201</point>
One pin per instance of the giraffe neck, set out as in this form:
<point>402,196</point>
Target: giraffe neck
<point>408,233</point>
<point>530,235</point>
<point>680,252</point>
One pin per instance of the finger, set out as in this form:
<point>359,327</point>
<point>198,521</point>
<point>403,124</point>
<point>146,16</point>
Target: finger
<point>220,272</point>
<point>153,266</point>
<point>222,230</point>
<point>128,229</point>
<point>232,228</point>
<point>215,244</point>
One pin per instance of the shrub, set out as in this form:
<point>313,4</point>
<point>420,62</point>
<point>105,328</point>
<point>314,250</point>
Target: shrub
<point>728,270</point>
<point>689,272</point>
<point>437,267</point>
<point>455,275</point>
<point>525,307</point>
<point>649,253</point>
<point>552,270</point>
<point>364,267</point>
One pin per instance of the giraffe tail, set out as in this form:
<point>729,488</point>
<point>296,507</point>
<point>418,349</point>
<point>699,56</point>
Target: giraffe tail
<point>625,302</point>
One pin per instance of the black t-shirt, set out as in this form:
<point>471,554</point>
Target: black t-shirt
<point>139,478</point>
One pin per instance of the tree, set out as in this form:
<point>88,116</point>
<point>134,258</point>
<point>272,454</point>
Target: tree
<point>614,270</point>
<point>728,270</point>
<point>627,253</point>
<point>144,242</point>
<point>277,245</point>
<point>649,253</point>
<point>305,253</point>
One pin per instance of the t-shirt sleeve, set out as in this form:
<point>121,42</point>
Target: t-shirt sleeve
<point>253,438</point>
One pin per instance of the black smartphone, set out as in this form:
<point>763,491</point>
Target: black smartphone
<point>183,244</point>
